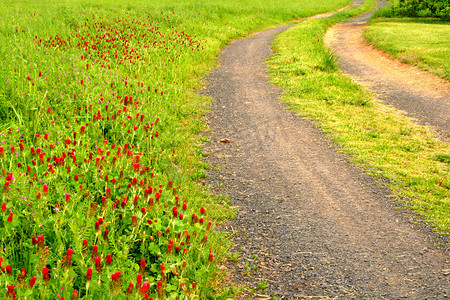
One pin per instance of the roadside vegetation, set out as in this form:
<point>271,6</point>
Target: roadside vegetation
<point>379,138</point>
<point>416,9</point>
<point>423,42</point>
<point>101,145</point>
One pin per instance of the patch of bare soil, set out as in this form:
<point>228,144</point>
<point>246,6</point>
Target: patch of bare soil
<point>421,95</point>
<point>310,223</point>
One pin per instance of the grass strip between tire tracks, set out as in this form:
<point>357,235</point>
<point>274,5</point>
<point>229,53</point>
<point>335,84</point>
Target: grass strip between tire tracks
<point>379,138</point>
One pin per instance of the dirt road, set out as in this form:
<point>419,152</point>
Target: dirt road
<point>310,224</point>
<point>421,95</point>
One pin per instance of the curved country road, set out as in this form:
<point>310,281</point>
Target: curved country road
<point>420,94</point>
<point>310,224</point>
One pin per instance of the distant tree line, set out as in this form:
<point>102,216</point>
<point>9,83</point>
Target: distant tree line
<point>420,8</point>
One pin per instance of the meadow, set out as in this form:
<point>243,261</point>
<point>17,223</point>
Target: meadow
<point>101,142</point>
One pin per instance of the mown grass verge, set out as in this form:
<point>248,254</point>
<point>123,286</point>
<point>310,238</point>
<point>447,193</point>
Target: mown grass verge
<point>424,43</point>
<point>101,145</point>
<point>379,138</point>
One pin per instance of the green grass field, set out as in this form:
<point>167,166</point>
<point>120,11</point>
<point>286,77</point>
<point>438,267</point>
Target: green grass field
<point>379,138</point>
<point>421,42</point>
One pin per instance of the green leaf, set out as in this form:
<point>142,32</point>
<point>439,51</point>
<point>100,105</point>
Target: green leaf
<point>171,288</point>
